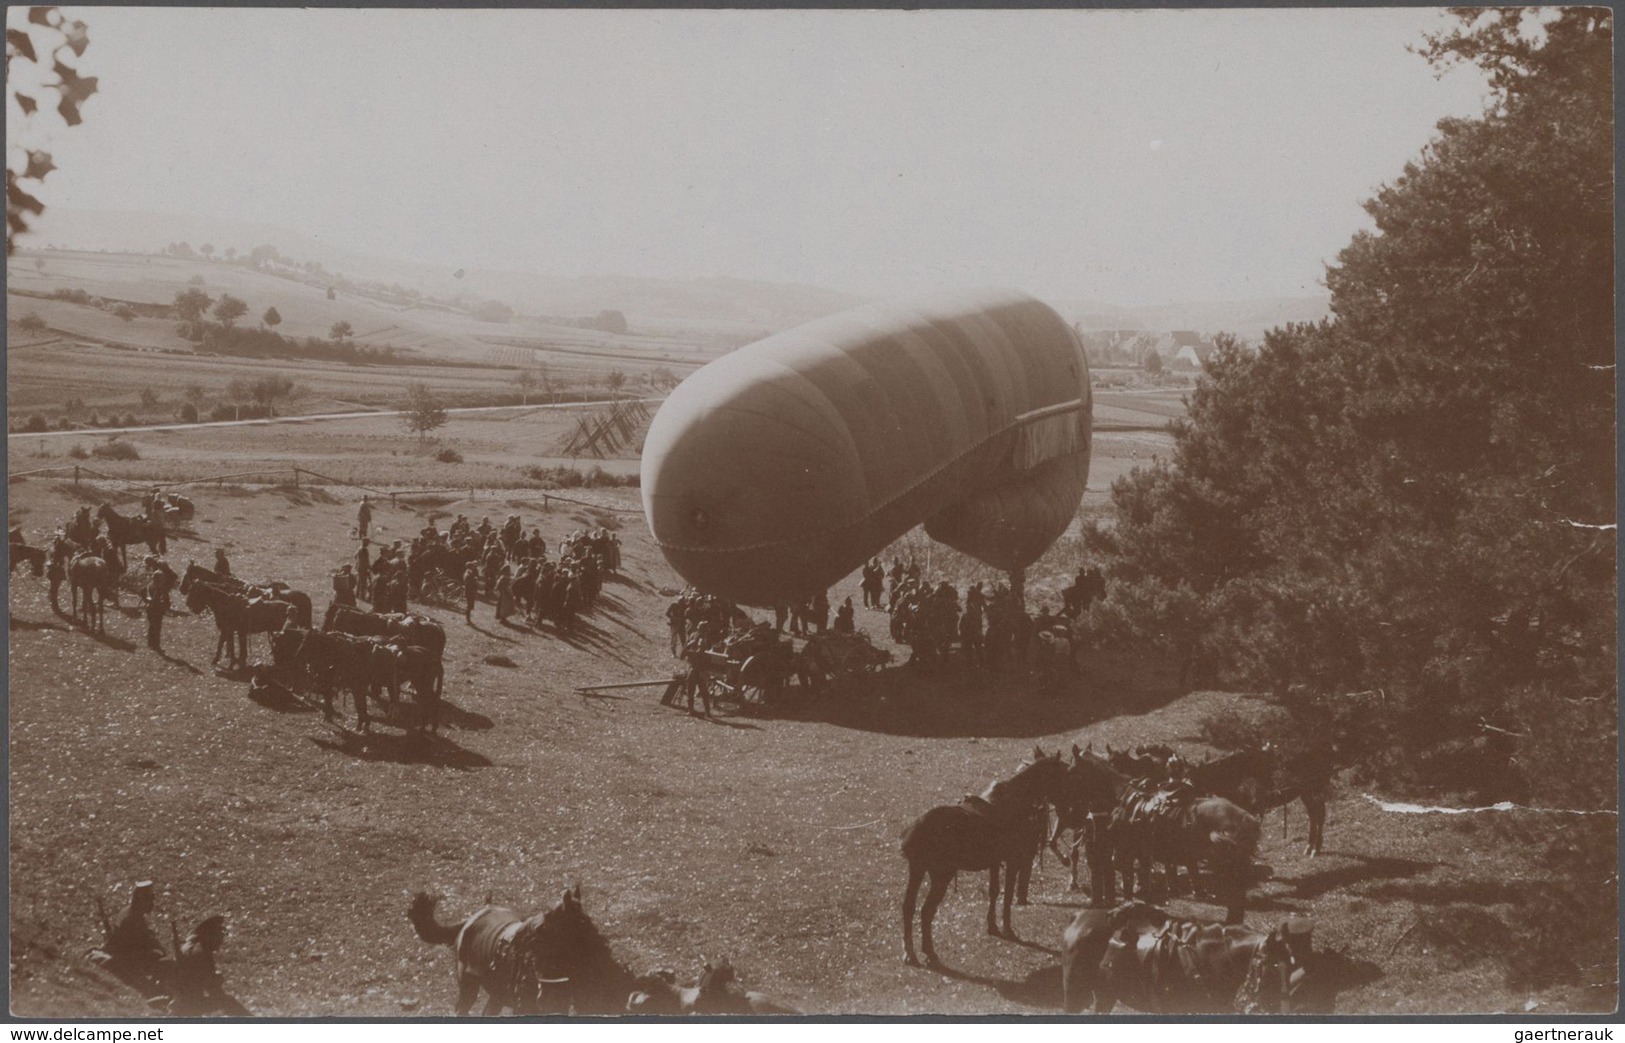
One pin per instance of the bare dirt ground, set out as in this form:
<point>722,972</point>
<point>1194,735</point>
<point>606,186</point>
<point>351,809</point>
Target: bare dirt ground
<point>770,839</point>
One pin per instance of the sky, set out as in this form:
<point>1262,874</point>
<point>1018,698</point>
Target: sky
<point>1124,157</point>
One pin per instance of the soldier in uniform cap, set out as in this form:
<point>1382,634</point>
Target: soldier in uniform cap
<point>160,581</point>
<point>363,517</point>
<point>131,945</point>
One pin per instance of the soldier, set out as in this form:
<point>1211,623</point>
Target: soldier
<point>221,565</point>
<point>363,518</point>
<point>55,572</point>
<point>160,581</point>
<point>843,618</point>
<point>504,594</point>
<point>874,583</point>
<point>344,587</point>
<point>131,945</point>
<point>363,570</point>
<point>471,591</point>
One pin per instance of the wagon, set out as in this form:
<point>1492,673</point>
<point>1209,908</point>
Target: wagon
<point>751,672</point>
<point>832,658</point>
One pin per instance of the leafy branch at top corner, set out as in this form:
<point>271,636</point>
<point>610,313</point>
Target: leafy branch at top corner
<point>46,37</point>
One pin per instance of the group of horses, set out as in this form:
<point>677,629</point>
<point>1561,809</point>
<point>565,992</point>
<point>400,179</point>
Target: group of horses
<point>1120,815</point>
<point>559,962</point>
<point>90,553</point>
<point>365,654</point>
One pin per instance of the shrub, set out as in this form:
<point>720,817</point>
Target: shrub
<point>78,452</point>
<point>31,323</point>
<point>64,424</point>
<point>115,450</point>
<point>188,413</point>
<point>35,423</point>
<point>125,312</point>
<point>75,295</point>
<point>449,456</point>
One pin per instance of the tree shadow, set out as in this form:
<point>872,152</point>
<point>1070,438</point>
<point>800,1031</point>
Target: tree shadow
<point>116,643</point>
<point>1473,891</point>
<point>409,748</point>
<point>912,702</point>
<point>492,634</point>
<point>1315,884</point>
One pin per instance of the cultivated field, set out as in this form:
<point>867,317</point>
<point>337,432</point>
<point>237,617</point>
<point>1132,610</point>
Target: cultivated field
<point>771,840</point>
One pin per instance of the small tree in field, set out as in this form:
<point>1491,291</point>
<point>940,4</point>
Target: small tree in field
<point>268,390</point>
<point>528,380</point>
<point>342,331</point>
<point>615,381</point>
<point>422,411</point>
<point>31,324</point>
<point>1153,364</point>
<point>229,309</point>
<point>272,318</point>
<point>191,304</point>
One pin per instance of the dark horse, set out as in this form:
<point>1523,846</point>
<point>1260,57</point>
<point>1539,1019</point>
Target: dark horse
<point>22,553</point>
<point>988,832</point>
<point>1264,778</point>
<point>554,962</point>
<point>272,590</point>
<point>93,577</point>
<point>123,531</point>
<point>236,617</point>
<point>1162,964</point>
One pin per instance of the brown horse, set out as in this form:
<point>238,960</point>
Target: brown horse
<point>123,531</point>
<point>557,961</point>
<point>988,832</point>
<point>94,578</point>
<point>236,617</point>
<point>1176,826</point>
<point>1140,955</point>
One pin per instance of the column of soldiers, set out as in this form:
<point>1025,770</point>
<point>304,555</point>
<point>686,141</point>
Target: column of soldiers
<point>504,565</point>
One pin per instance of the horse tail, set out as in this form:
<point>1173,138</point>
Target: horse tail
<point>421,915</point>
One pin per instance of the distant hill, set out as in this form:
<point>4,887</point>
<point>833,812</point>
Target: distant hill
<point>764,306</point>
<point>752,307</point>
<point>1245,318</point>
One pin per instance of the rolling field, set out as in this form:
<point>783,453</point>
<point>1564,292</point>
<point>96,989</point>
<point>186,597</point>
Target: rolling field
<point>769,839</point>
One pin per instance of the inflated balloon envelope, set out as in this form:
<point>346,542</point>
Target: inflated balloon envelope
<point>778,469</point>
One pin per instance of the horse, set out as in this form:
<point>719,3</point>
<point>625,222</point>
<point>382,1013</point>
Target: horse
<point>82,529</point>
<point>1262,779</point>
<point>124,531</point>
<point>335,661</point>
<point>717,992</point>
<point>1160,964</point>
<point>1178,827</point>
<point>94,577</point>
<point>420,631</point>
<point>236,617</point>
<point>272,590</point>
<point>422,670</point>
<point>1092,792</point>
<point>33,557</point>
<point>556,960</point>
<point>982,832</point>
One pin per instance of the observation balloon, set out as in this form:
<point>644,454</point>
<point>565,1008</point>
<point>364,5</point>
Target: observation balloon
<point>776,470</point>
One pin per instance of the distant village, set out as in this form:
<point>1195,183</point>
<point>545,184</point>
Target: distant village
<point>1175,350</point>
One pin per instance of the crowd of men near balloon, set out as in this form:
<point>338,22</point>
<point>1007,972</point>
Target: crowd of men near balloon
<point>987,628</point>
<point>467,562</point>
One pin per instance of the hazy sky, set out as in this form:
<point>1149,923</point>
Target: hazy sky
<point>1129,157</point>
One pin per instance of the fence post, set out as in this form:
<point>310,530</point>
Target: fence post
<point>76,475</point>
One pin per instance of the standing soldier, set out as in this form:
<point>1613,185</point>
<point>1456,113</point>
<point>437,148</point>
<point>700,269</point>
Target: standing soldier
<point>363,571</point>
<point>55,571</point>
<point>471,591</point>
<point>504,596</point>
<point>160,581</point>
<point>344,587</point>
<point>197,988</point>
<point>363,517</point>
<point>221,565</point>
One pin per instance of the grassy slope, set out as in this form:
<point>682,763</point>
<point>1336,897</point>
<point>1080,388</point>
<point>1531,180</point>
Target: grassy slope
<point>769,840</point>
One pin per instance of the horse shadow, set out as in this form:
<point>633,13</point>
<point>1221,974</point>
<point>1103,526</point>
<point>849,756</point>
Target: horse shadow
<point>1365,867</point>
<point>178,661</point>
<point>454,716</point>
<point>408,748</point>
<point>115,643</point>
<point>30,624</point>
<point>1040,988</point>
<point>279,699</point>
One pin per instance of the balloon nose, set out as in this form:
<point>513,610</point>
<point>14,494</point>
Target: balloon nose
<point>749,478</point>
